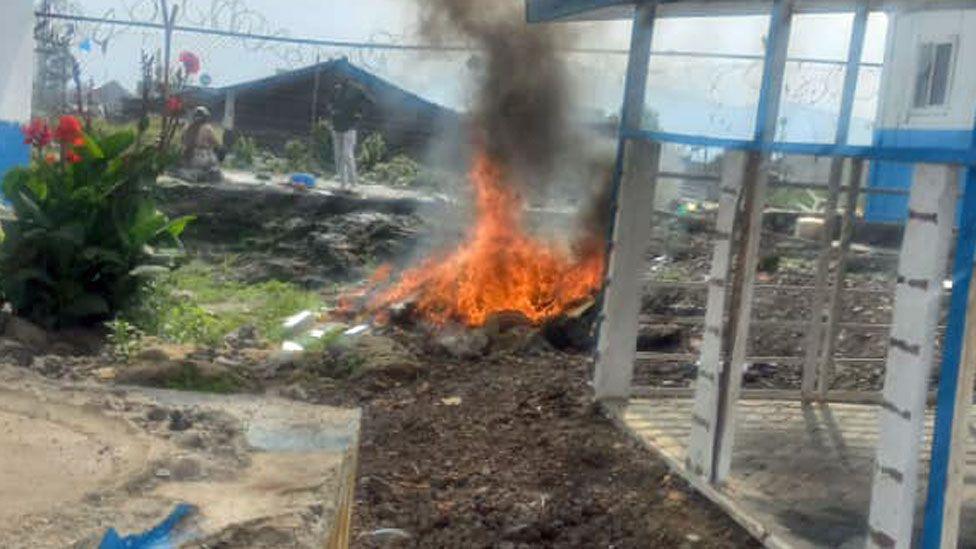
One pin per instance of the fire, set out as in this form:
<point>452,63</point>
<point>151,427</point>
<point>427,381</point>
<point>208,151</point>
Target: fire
<point>498,267</point>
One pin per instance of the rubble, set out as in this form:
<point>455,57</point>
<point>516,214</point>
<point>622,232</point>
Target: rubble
<point>312,239</point>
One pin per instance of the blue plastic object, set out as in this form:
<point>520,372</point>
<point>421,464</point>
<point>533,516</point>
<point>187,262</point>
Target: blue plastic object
<point>306,179</point>
<point>160,537</point>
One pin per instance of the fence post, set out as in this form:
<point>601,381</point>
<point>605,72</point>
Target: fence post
<point>701,449</point>
<point>918,297</point>
<point>617,343</point>
<point>826,375</point>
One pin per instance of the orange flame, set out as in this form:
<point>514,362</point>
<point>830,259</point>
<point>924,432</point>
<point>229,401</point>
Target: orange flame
<point>499,267</point>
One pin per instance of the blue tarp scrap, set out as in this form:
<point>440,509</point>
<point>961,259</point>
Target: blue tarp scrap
<point>162,536</point>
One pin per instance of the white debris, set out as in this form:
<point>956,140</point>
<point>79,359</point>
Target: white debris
<point>356,330</point>
<point>292,347</point>
<point>298,322</point>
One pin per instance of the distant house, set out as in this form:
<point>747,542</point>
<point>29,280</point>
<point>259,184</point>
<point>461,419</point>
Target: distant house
<point>111,97</point>
<point>275,109</point>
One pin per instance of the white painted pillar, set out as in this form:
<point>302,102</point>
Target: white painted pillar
<point>712,364</point>
<point>616,347</point>
<point>756,180</point>
<point>230,110</point>
<point>918,297</point>
<point>617,343</point>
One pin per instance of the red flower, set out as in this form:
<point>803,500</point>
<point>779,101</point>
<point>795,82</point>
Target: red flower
<point>69,131</point>
<point>72,157</point>
<point>37,133</point>
<point>174,105</point>
<point>190,61</point>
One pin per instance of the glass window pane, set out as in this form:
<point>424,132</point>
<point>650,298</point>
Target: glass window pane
<point>820,36</point>
<point>923,76</point>
<point>940,74</point>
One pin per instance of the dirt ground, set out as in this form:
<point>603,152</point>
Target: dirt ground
<point>510,452</point>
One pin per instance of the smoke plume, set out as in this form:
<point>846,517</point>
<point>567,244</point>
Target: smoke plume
<point>522,99</point>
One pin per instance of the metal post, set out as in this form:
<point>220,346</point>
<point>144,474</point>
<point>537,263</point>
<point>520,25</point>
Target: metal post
<point>813,360</point>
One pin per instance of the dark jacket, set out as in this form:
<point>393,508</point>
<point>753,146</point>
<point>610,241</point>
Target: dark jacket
<point>348,106</point>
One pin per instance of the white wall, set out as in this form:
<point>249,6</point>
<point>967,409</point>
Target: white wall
<point>16,59</point>
<point>906,32</point>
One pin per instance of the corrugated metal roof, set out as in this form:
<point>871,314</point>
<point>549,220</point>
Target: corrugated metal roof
<point>340,66</point>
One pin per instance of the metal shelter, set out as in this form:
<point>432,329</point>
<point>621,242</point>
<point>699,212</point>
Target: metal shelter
<point>792,466</point>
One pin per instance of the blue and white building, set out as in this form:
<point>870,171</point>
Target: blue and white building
<point>928,99</point>
<point>16,77</point>
<point>779,479</point>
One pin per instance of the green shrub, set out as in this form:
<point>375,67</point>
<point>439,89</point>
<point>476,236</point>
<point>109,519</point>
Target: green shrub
<point>372,151</point>
<point>244,153</point>
<point>296,156</point>
<point>124,338</point>
<point>86,225</point>
<point>400,171</point>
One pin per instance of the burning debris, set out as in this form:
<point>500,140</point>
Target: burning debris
<point>498,268</point>
<point>523,141</point>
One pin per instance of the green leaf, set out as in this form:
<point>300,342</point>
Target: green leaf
<point>37,186</point>
<point>87,305</point>
<point>115,144</point>
<point>31,208</point>
<point>147,223</point>
<point>92,148</point>
<point>176,227</point>
<point>15,180</point>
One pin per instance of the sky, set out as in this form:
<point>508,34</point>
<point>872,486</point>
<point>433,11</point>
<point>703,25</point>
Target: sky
<point>680,86</point>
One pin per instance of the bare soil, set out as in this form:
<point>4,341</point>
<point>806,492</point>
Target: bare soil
<point>510,451</point>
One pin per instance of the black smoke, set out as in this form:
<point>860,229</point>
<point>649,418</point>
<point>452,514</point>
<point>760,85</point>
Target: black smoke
<point>523,100</point>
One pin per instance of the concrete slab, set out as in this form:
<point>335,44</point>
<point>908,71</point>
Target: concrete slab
<point>801,474</point>
<point>75,461</point>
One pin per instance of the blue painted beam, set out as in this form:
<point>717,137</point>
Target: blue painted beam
<point>543,11</point>
<point>852,72</point>
<point>911,155</point>
<point>949,373</point>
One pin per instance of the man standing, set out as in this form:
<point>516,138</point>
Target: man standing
<point>348,105</point>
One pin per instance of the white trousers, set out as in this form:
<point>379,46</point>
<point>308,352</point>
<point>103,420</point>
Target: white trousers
<point>344,148</point>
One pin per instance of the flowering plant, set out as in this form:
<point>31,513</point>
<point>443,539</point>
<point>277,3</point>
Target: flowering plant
<point>190,62</point>
<point>86,223</point>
